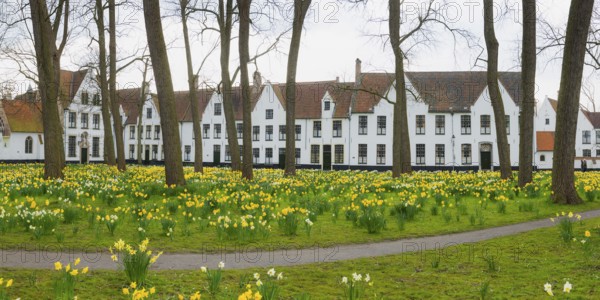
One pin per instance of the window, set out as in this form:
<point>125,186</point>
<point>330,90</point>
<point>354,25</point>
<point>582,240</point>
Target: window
<point>72,119</point>
<point>96,121</point>
<point>543,157</point>
<point>85,98</point>
<point>156,132</point>
<point>131,151</point>
<point>217,109</point>
<point>187,152</point>
<point>149,113</point>
<point>507,118</point>
<point>466,154</point>
<point>420,154</point>
<point>587,153</point>
<point>338,154</point>
<point>440,154</point>
<point>362,154</point>
<point>255,155</point>
<point>381,125</point>
<point>148,132</point>
<point>315,151</point>
<point>297,156</point>
<point>440,124</point>
<point>327,105</point>
<point>465,124</point>
<point>587,137</point>
<point>362,125</point>
<point>597,136</point>
<point>380,154</point>
<point>420,120</point>
<point>154,152</point>
<point>84,120</point>
<point>96,100</point>
<point>269,114</point>
<point>227,153</point>
<point>597,152</point>
<point>282,133</point>
<point>132,132</point>
<point>71,146</point>
<point>268,156</point>
<point>28,145</point>
<point>317,129</point>
<point>255,133</point>
<point>337,129</point>
<point>547,121</point>
<point>269,133</point>
<point>95,147</point>
<point>485,124</point>
<point>217,131</point>
<point>240,130</point>
<point>298,132</point>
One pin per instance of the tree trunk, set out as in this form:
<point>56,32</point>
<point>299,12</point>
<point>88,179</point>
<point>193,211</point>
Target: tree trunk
<point>401,139</point>
<point>109,146</point>
<point>528,65</point>
<point>193,87</point>
<point>563,170</point>
<point>300,10</point>
<point>48,65</point>
<point>166,97</point>
<point>494,89</point>
<point>225,25</point>
<point>116,115</point>
<point>140,112</point>
<point>244,48</point>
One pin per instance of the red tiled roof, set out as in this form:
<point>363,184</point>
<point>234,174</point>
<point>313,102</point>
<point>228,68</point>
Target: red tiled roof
<point>342,96</point>
<point>370,91</point>
<point>129,100</point>
<point>23,116</point>
<point>554,104</point>
<point>70,82</point>
<point>593,117</point>
<point>308,98</point>
<point>184,107</point>
<point>544,140</point>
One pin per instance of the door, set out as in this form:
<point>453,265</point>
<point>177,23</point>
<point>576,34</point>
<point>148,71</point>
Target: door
<point>84,155</point>
<point>327,157</point>
<point>147,154</point>
<point>486,160</point>
<point>216,155</point>
<point>282,158</point>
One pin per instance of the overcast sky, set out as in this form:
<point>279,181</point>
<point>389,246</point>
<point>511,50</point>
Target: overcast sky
<point>335,35</point>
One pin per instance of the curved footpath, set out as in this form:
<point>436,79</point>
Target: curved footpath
<point>24,259</point>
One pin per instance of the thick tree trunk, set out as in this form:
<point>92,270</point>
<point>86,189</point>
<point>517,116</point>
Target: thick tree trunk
<point>225,25</point>
<point>114,103</point>
<point>528,61</point>
<point>109,146</point>
<point>166,97</point>
<point>140,112</point>
<point>244,48</point>
<point>563,170</point>
<point>494,89</point>
<point>193,86</point>
<point>300,10</point>
<point>48,65</point>
<point>401,139</point>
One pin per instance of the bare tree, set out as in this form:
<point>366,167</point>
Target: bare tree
<point>528,66</point>
<point>115,105</point>
<point>166,96</point>
<point>48,54</point>
<point>494,89</point>
<point>563,170</point>
<point>300,10</point>
<point>140,107</point>
<point>244,49</point>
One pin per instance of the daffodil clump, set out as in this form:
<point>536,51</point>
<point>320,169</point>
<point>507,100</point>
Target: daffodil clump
<point>5,285</point>
<point>64,283</point>
<point>567,288</point>
<point>566,224</point>
<point>194,296</point>
<point>138,293</point>
<point>214,277</point>
<point>136,259</point>
<point>289,219</point>
<point>269,288</point>
<point>354,286</point>
<point>249,294</point>
<point>241,228</point>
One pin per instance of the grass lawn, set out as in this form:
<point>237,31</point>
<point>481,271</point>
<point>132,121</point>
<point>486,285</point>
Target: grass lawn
<point>270,212</point>
<point>503,268</point>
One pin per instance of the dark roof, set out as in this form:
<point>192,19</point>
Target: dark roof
<point>372,87</point>
<point>308,98</point>
<point>342,96</point>
<point>23,116</point>
<point>129,100</point>
<point>70,82</point>
<point>554,104</point>
<point>593,117</point>
<point>184,107</point>
<point>544,140</point>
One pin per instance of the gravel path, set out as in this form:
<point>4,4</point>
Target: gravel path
<point>248,258</point>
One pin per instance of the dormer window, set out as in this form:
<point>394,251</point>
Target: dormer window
<point>547,121</point>
<point>149,113</point>
<point>269,114</point>
<point>327,105</point>
<point>96,99</point>
<point>217,109</point>
<point>85,98</point>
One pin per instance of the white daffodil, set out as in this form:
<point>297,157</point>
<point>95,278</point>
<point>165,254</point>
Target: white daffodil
<point>548,289</point>
<point>221,265</point>
<point>345,280</point>
<point>203,269</point>
<point>271,272</point>
<point>567,287</point>
<point>356,277</point>
<point>367,278</point>
<point>259,283</point>
<point>256,276</point>
<point>280,276</point>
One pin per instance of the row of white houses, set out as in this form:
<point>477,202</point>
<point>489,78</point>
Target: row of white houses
<point>339,125</point>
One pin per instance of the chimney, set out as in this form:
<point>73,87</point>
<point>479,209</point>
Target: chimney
<point>337,79</point>
<point>358,70</point>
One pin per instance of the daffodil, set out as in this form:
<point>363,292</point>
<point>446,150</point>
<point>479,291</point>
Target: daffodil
<point>548,289</point>
<point>567,287</point>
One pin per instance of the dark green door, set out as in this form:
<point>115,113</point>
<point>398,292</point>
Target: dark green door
<point>486,160</point>
<point>217,155</point>
<point>282,158</point>
<point>84,155</point>
<point>147,155</point>
<point>327,157</point>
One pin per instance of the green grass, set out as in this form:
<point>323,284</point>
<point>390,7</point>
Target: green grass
<point>523,264</point>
